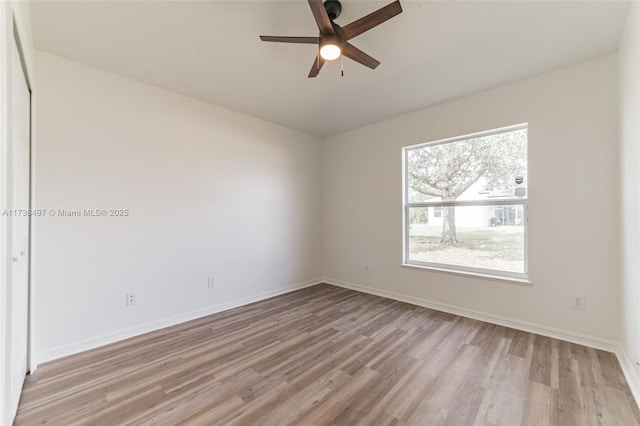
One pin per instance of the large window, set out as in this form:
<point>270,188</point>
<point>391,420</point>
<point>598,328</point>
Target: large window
<point>466,203</point>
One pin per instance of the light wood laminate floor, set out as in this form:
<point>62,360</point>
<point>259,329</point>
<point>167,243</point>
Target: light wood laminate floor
<point>327,355</point>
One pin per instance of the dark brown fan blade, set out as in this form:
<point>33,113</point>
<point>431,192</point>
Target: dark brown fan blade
<point>305,40</point>
<point>371,20</point>
<point>321,17</point>
<point>352,52</point>
<point>317,64</point>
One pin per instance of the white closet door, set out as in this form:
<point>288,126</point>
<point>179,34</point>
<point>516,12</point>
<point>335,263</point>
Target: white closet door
<point>19,153</point>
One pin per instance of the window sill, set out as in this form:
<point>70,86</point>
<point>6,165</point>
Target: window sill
<point>512,280</point>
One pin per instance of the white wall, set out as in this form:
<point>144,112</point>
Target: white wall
<point>573,203</point>
<point>629,66</point>
<point>210,192</point>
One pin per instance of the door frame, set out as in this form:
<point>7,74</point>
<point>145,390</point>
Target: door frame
<point>25,71</point>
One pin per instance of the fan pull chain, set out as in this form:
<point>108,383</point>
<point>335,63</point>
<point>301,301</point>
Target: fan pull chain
<point>342,67</point>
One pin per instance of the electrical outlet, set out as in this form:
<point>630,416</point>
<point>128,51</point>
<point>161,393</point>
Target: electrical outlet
<point>131,299</point>
<point>367,269</point>
<point>211,282</point>
<point>577,302</point>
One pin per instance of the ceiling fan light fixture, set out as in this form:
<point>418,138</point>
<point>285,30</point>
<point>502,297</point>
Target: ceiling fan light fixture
<point>330,48</point>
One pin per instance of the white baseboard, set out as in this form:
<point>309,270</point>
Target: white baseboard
<point>105,339</point>
<point>556,333</point>
<point>629,372</point>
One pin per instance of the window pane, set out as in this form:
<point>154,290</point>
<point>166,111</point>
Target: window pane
<point>480,237</point>
<point>482,167</point>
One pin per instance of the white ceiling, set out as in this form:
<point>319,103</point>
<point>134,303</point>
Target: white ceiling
<point>432,52</point>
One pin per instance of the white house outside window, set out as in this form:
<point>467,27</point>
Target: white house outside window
<point>466,203</point>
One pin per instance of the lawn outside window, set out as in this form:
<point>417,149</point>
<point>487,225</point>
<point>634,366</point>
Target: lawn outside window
<point>465,203</point>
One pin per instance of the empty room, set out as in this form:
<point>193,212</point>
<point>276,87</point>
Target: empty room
<point>307,212</point>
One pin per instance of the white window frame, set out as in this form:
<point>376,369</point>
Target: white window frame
<point>524,202</point>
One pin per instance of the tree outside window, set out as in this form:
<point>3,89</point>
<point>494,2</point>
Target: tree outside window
<point>481,177</point>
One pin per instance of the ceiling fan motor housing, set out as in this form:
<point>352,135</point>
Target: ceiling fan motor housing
<point>333,8</point>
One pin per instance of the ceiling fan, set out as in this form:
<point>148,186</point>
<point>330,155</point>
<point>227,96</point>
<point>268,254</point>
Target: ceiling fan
<point>333,40</point>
